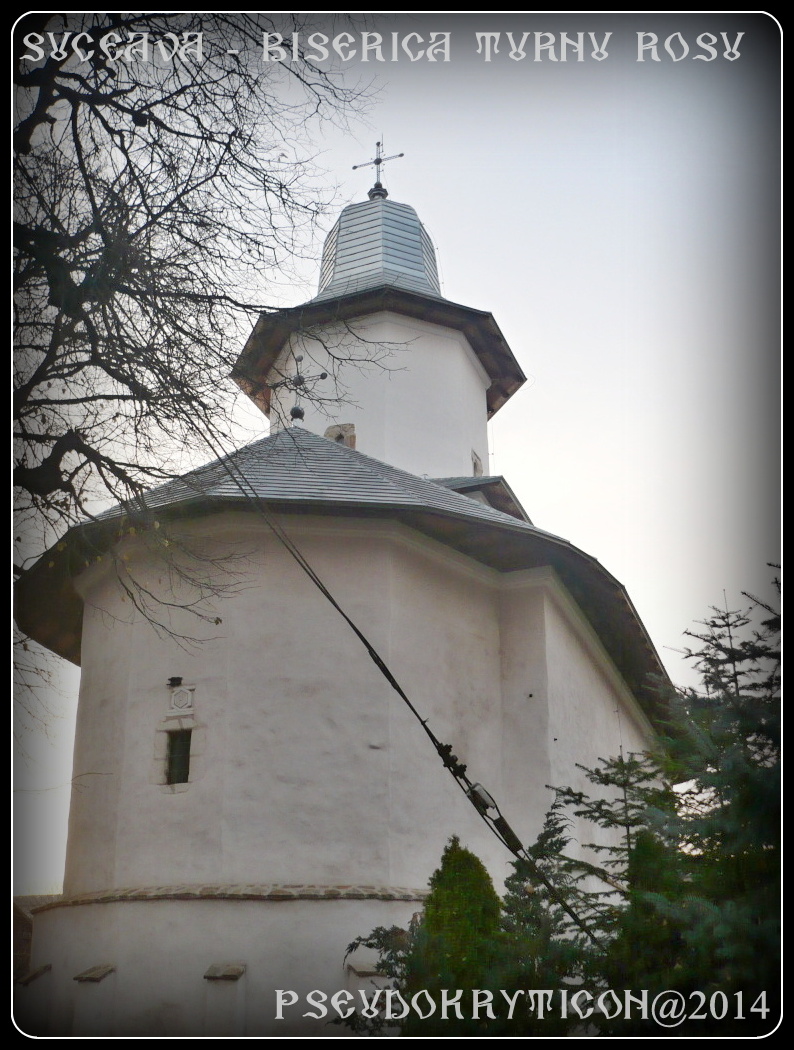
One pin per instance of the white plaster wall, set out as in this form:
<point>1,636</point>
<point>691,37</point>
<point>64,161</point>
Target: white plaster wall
<point>591,711</point>
<point>414,391</point>
<point>308,767</point>
<point>525,697</point>
<point>311,767</point>
<point>162,949</point>
<point>445,654</point>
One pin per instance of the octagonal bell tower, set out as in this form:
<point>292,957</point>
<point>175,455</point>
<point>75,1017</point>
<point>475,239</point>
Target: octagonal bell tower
<point>410,377</point>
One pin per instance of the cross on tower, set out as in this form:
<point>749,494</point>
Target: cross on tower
<point>298,383</point>
<point>378,189</point>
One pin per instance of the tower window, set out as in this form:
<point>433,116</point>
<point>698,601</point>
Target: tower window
<point>177,768</point>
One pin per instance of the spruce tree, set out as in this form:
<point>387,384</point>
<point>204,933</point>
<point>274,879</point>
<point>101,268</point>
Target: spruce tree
<point>542,947</point>
<point>695,870</point>
<point>682,894</point>
<point>729,814</point>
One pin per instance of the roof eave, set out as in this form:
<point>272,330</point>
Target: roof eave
<point>495,489</point>
<point>272,331</point>
<point>55,619</point>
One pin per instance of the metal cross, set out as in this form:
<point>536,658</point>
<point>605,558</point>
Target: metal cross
<point>299,384</point>
<point>378,161</point>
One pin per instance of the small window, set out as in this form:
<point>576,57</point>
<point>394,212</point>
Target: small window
<point>178,763</point>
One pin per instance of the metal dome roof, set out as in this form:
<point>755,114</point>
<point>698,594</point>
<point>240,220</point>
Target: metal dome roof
<point>374,243</point>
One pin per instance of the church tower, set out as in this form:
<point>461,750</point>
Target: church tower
<point>412,378</point>
<point>245,806</point>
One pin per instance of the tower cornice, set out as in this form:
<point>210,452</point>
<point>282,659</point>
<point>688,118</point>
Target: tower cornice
<point>273,330</point>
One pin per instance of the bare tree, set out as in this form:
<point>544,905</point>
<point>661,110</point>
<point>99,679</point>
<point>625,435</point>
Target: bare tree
<point>163,182</point>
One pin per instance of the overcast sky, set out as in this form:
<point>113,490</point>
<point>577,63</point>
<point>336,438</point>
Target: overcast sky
<point>620,219</point>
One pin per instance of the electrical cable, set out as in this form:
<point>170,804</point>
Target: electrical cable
<point>498,825</point>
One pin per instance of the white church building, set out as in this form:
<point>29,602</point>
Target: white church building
<point>244,807</point>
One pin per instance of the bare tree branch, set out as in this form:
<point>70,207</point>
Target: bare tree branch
<point>158,196</point>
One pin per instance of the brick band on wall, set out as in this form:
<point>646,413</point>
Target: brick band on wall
<point>241,892</point>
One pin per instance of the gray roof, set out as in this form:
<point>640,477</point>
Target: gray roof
<point>296,472</point>
<point>374,243</point>
<point>468,481</point>
<point>297,467</point>
<point>492,488</point>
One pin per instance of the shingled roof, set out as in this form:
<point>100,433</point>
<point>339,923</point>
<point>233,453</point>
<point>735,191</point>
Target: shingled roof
<point>296,472</point>
<point>296,467</point>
